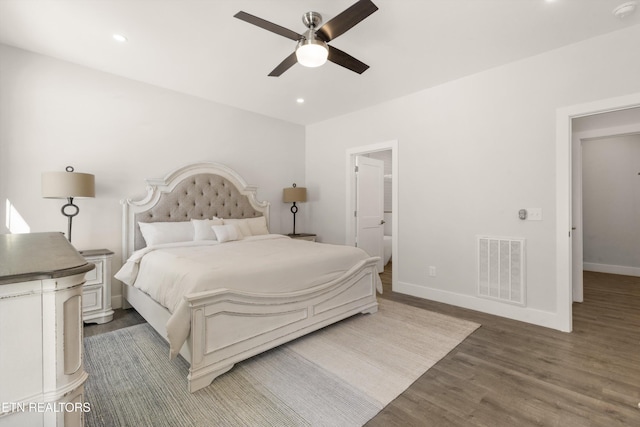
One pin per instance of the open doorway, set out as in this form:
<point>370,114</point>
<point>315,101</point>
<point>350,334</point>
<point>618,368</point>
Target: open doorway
<point>566,262</point>
<point>605,153</point>
<point>387,152</point>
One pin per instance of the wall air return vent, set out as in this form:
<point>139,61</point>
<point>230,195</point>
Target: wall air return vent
<point>501,269</point>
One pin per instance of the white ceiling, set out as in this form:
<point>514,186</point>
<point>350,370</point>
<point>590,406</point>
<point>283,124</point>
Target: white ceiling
<point>197,47</point>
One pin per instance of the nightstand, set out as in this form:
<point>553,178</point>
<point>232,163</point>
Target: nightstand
<point>96,291</point>
<point>303,236</point>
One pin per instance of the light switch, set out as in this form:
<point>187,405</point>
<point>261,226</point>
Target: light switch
<point>534,214</point>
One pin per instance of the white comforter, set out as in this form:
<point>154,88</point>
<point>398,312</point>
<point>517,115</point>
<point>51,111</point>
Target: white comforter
<point>260,264</point>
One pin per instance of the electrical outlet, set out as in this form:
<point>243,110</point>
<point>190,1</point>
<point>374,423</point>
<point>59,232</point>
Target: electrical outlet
<point>432,271</point>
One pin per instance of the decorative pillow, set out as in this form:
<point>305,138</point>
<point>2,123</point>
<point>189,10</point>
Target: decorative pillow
<point>258,225</point>
<point>225,233</point>
<point>202,228</point>
<point>156,233</point>
<point>242,227</point>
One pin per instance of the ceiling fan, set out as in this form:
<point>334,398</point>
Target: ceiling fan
<point>312,49</point>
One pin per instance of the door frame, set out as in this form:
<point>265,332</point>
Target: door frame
<point>564,194</point>
<point>351,198</point>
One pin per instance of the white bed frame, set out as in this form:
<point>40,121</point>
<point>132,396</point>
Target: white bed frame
<point>228,326</point>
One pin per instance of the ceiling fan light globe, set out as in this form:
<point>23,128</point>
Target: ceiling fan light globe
<point>312,53</point>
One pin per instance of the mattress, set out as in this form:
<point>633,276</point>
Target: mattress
<point>267,264</point>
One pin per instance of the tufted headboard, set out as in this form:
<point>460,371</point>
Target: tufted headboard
<point>196,191</point>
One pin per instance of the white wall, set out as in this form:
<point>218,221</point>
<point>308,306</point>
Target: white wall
<point>473,152</point>
<point>611,201</point>
<point>54,114</point>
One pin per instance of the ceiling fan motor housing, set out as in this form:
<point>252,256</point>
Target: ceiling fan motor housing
<point>312,20</point>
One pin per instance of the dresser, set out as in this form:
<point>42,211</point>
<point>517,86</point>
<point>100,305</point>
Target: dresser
<point>96,292</point>
<point>41,364</point>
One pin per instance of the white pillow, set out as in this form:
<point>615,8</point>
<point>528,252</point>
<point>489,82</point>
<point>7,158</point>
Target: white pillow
<point>258,225</point>
<point>225,233</point>
<point>202,228</point>
<point>242,227</point>
<point>156,233</point>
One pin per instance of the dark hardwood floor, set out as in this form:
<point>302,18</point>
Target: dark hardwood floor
<point>509,373</point>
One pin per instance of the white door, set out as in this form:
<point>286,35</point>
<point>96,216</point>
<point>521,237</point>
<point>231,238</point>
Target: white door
<point>370,207</point>
<point>576,221</point>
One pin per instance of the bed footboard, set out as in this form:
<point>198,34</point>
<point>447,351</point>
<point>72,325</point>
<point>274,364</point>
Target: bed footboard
<point>229,326</point>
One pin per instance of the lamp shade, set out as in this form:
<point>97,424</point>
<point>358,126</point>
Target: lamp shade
<point>294,194</point>
<point>60,185</point>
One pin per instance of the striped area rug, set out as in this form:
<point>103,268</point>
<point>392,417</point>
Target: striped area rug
<point>342,375</point>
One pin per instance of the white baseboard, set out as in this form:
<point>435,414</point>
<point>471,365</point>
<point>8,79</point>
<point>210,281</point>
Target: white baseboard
<point>524,314</point>
<point>611,269</point>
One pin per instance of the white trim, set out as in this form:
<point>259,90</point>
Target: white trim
<point>524,314</point>
<point>350,199</point>
<point>564,115</point>
<point>612,269</point>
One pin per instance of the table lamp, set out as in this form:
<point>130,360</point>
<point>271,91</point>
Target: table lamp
<point>292,195</point>
<point>67,185</point>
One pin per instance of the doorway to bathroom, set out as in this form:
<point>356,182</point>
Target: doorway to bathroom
<point>387,153</point>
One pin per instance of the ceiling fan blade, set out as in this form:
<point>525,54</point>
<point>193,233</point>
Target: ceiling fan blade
<point>288,62</point>
<point>346,20</point>
<point>347,61</point>
<point>269,26</point>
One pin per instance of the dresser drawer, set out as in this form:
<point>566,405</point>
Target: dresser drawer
<point>95,276</point>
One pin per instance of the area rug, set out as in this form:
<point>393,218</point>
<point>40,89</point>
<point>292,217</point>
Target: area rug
<point>342,375</point>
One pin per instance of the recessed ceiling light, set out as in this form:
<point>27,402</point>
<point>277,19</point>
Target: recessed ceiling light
<point>300,100</point>
<point>119,38</point>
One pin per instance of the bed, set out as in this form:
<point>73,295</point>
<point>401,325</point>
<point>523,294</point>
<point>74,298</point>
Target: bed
<point>217,318</point>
